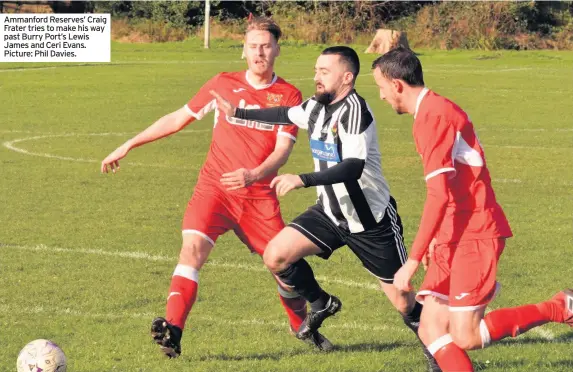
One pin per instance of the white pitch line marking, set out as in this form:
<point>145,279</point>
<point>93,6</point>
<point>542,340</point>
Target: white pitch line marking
<point>205,318</point>
<point>10,145</point>
<point>26,69</point>
<point>544,333</point>
<point>541,332</point>
<point>149,257</point>
<point>507,180</point>
<point>20,131</point>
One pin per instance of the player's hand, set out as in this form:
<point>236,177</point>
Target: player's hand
<point>285,183</point>
<point>238,179</point>
<point>403,277</point>
<point>429,254</point>
<point>223,105</point>
<point>112,160</point>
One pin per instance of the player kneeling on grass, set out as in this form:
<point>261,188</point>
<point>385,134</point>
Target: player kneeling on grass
<point>461,220</point>
<point>233,191</point>
<point>354,206</point>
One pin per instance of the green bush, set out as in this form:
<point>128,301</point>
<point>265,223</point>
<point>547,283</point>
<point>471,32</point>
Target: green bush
<point>490,25</point>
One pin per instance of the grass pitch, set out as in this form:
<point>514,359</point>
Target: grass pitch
<point>86,258</point>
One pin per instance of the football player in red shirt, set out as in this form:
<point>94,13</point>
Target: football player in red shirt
<point>462,224</point>
<point>232,192</point>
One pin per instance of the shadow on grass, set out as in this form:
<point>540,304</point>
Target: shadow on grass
<point>361,347</point>
<point>388,346</point>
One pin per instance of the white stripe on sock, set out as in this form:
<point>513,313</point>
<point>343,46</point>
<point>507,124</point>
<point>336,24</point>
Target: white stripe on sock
<point>187,272</point>
<point>485,336</point>
<point>440,343</point>
<point>173,294</point>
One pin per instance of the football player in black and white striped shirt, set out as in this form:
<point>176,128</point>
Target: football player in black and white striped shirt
<point>354,206</point>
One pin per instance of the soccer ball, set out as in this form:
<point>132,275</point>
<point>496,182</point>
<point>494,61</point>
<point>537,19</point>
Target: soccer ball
<point>41,356</point>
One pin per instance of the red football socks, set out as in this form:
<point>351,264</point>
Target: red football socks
<point>517,320</point>
<point>449,356</point>
<point>182,294</point>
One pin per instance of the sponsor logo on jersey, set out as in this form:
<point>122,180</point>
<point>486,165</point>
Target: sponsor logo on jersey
<point>324,151</point>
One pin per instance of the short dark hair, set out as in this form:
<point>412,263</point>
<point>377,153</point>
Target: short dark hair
<point>401,63</point>
<point>347,56</point>
<point>265,24</point>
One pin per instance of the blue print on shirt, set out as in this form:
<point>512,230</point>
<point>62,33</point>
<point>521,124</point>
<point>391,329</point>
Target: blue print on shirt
<point>324,151</point>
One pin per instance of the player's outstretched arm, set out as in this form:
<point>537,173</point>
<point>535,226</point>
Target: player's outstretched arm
<point>274,115</point>
<point>168,124</point>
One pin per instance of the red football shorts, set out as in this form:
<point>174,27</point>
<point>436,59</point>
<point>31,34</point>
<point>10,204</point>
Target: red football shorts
<point>463,273</point>
<point>212,212</point>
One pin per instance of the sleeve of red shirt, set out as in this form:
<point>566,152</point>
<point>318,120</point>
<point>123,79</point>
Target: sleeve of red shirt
<point>435,140</point>
<point>203,102</point>
<point>432,216</point>
<point>291,131</point>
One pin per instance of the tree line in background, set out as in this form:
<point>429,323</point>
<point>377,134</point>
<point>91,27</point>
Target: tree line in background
<point>434,24</point>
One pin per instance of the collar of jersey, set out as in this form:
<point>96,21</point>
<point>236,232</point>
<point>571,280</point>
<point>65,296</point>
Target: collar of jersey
<point>419,100</point>
<point>259,87</point>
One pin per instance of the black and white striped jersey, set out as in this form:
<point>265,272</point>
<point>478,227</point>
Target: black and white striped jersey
<point>346,129</point>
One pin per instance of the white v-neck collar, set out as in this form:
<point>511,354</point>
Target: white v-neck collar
<point>419,100</point>
<point>260,86</point>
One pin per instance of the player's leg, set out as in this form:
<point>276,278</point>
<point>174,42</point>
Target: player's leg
<point>411,312</point>
<point>382,252</point>
<point>434,325</point>
<point>208,215</point>
<point>434,321</point>
<point>285,258</point>
<point>185,279</point>
<point>311,233</point>
<point>260,222</point>
<point>511,322</point>
<point>182,294</point>
<point>469,328</point>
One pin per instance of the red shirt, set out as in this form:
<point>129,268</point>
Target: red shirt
<point>239,143</point>
<point>446,141</point>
